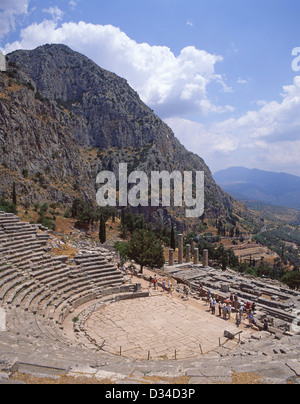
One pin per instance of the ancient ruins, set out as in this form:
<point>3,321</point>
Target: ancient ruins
<point>49,306</point>
<point>274,300</point>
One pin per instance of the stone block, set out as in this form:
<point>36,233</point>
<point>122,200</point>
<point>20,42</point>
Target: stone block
<point>229,334</point>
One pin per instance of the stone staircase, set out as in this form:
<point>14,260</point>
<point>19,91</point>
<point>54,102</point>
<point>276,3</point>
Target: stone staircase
<point>101,273</point>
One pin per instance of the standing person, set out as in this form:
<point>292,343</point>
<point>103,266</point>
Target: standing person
<point>210,304</point>
<point>213,307</point>
<point>208,297</point>
<point>220,309</point>
<point>155,282</point>
<point>236,302</point>
<point>225,312</point>
<point>242,309</point>
<point>238,318</point>
<point>248,307</point>
<point>251,319</point>
<point>171,289</point>
<point>187,292</point>
<point>229,311</point>
<point>150,282</point>
<point>199,289</point>
<point>266,325</point>
<point>164,285</point>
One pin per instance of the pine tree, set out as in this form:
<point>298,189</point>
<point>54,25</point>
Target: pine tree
<point>14,194</point>
<point>102,230</point>
<point>173,238</point>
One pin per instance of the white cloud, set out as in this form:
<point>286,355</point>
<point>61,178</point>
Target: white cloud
<point>176,85</point>
<point>268,138</point>
<point>55,12</point>
<point>9,11</point>
<point>242,81</point>
<point>172,85</point>
<point>73,4</point>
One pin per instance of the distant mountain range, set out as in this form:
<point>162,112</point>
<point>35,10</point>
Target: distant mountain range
<point>279,189</point>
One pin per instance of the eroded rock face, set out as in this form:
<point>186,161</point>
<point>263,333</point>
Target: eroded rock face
<point>56,106</point>
<point>114,115</point>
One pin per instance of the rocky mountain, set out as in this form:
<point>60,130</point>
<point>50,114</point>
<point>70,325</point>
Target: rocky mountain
<point>279,189</point>
<point>63,119</point>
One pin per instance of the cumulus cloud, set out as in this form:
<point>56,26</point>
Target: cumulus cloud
<point>266,138</point>
<point>9,11</point>
<point>55,12</point>
<point>172,85</point>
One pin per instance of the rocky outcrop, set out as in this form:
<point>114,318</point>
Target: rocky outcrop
<point>67,106</point>
<point>37,147</point>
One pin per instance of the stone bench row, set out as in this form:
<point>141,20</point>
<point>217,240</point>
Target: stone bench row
<point>21,258</point>
<point>18,236</point>
<point>5,221</point>
<point>99,269</point>
<point>13,247</point>
<point>92,260</point>
<point>33,282</point>
<point>35,327</point>
<point>17,227</point>
<point>33,297</point>
<point>60,281</point>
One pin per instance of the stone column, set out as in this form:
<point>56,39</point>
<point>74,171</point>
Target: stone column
<point>205,258</point>
<point>180,249</point>
<point>171,257</point>
<point>196,256</point>
<point>188,253</point>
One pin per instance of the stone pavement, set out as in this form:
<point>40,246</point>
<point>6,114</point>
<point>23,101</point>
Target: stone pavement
<point>160,324</point>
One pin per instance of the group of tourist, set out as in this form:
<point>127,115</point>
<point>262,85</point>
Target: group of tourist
<point>226,307</point>
<point>165,286</point>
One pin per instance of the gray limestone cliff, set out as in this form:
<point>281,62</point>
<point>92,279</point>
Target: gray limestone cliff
<point>64,118</point>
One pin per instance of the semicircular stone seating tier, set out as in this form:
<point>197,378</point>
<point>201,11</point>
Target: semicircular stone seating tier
<point>38,290</point>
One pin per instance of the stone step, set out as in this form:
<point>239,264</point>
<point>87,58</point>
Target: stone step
<point>23,257</point>
<point>95,268</point>
<point>14,281</point>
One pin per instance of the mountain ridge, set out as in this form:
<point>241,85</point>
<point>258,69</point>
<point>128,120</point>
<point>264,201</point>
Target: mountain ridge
<point>76,119</point>
<point>278,189</point>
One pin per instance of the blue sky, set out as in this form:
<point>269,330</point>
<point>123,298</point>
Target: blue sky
<point>219,72</point>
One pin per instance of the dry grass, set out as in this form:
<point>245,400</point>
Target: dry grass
<point>245,378</point>
<point>65,249</point>
<point>27,379</point>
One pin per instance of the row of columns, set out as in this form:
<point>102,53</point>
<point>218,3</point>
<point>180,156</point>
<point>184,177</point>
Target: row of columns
<point>188,254</point>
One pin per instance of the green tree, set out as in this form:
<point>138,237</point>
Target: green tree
<point>173,238</point>
<point>7,207</point>
<point>45,220</point>
<point>102,230</point>
<point>122,248</point>
<point>146,249</point>
<point>14,194</point>
<point>292,279</point>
